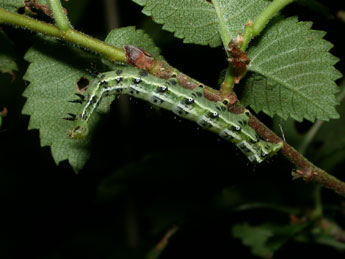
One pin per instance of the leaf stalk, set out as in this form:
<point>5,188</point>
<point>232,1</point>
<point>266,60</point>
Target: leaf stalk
<point>254,29</point>
<point>71,35</point>
<point>228,84</point>
<point>60,17</point>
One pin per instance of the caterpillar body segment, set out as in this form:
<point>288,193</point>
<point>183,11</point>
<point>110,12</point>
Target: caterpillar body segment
<point>188,104</point>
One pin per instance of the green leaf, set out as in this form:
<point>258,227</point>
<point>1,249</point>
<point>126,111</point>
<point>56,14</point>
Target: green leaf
<point>11,5</point>
<point>292,73</point>
<point>234,14</point>
<point>53,75</point>
<point>7,55</point>
<point>200,21</point>
<point>254,237</point>
<point>264,240</point>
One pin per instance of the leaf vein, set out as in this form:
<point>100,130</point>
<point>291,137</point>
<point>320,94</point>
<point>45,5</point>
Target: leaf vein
<point>294,91</point>
<point>272,43</point>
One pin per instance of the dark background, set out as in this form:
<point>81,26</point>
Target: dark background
<point>148,170</point>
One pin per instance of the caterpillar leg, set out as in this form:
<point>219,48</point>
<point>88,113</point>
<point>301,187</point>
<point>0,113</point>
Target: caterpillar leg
<point>80,130</point>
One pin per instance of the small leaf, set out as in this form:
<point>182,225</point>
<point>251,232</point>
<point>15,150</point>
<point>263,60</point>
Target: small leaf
<point>199,22</point>
<point>293,73</point>
<point>7,55</point>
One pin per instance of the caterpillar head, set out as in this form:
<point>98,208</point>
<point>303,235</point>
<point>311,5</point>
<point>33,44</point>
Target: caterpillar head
<point>80,130</point>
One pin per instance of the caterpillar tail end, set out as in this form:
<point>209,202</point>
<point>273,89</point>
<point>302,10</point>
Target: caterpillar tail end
<point>274,148</point>
<point>79,131</point>
<point>266,150</point>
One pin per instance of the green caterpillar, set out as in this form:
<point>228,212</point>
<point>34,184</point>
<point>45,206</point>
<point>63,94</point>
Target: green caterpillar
<point>188,104</point>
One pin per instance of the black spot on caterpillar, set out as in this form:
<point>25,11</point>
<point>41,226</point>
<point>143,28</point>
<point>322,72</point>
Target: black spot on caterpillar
<point>188,104</point>
<point>189,100</point>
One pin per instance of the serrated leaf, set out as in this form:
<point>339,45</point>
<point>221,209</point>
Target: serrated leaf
<point>199,22</point>
<point>234,14</point>
<point>194,21</point>
<point>7,56</point>
<point>292,73</point>
<point>264,240</point>
<point>53,75</point>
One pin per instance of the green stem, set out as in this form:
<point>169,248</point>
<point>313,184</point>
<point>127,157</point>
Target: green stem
<point>70,35</point>
<point>261,21</point>
<point>252,29</point>
<point>28,23</point>
<point>247,36</point>
<point>267,15</point>
<point>60,18</point>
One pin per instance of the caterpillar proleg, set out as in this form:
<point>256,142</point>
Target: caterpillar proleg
<point>188,104</point>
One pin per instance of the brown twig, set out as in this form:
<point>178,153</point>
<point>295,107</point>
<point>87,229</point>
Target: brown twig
<point>139,58</point>
<point>304,168</point>
<point>157,250</point>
